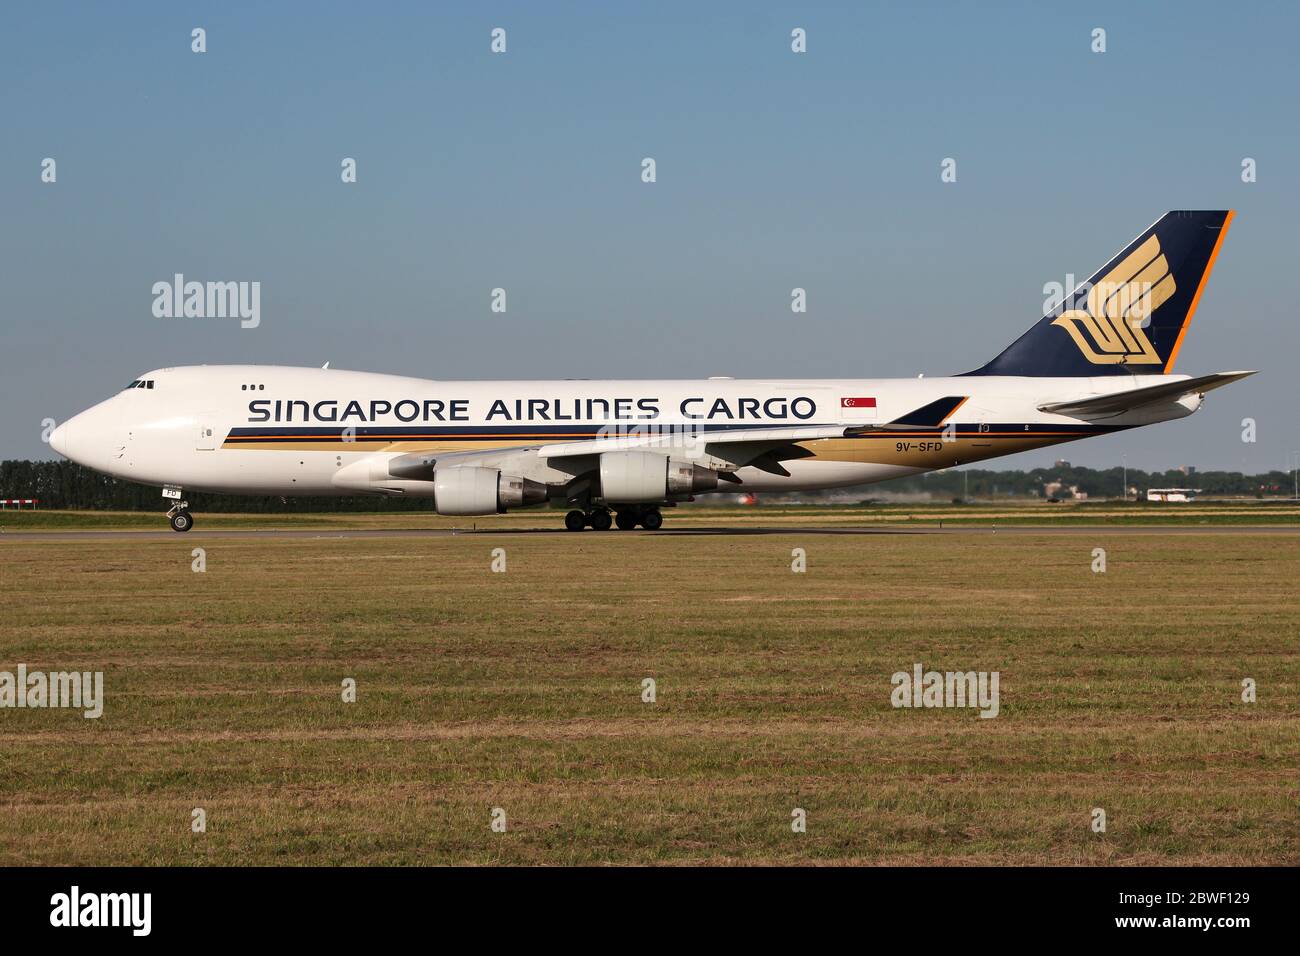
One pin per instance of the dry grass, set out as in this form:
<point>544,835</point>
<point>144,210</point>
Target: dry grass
<point>522,690</point>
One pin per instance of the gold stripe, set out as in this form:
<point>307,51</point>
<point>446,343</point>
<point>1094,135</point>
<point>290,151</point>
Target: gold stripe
<point>962,451</point>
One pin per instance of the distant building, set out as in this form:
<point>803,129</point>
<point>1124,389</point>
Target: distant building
<point>1061,463</point>
<point>1187,469</point>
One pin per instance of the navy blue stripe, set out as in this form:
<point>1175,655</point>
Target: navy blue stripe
<point>496,432</point>
<point>429,428</point>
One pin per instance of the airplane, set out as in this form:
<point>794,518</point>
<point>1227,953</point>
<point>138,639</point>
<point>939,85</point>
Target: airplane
<point>615,453</point>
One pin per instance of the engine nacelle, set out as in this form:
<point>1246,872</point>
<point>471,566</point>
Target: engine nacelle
<point>470,490</point>
<point>629,477</point>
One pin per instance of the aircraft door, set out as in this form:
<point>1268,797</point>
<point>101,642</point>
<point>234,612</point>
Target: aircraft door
<point>207,433</point>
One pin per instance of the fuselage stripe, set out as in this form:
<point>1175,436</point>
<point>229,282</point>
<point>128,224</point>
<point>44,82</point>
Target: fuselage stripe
<point>534,433</point>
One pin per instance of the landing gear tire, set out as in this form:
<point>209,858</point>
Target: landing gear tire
<point>652,520</point>
<point>626,520</point>
<point>601,520</point>
<point>181,521</point>
<point>575,521</point>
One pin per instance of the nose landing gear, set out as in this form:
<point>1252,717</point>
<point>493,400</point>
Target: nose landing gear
<point>179,514</point>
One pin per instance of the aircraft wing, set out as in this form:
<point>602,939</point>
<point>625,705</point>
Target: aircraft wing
<point>759,447</point>
<point>1134,398</point>
<point>671,440</point>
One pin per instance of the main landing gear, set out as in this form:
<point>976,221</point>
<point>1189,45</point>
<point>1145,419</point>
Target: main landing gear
<point>627,519</point>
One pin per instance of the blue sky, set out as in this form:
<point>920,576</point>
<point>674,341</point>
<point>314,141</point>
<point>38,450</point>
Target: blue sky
<point>522,171</point>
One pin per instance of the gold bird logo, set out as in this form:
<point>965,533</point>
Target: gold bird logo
<point>1111,331</point>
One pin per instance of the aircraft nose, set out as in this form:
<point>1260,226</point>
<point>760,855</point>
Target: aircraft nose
<point>60,439</point>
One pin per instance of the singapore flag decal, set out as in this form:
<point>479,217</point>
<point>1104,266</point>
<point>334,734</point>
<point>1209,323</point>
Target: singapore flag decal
<point>858,409</point>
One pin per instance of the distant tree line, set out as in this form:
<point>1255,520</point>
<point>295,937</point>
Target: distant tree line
<point>1095,483</point>
<point>62,484</point>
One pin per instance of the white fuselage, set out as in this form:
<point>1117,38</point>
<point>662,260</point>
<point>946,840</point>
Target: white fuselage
<point>271,430</point>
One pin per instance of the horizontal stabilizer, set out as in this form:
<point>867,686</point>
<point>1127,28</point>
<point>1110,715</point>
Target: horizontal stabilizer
<point>1133,398</point>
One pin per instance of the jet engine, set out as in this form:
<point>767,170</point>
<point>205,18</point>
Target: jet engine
<point>629,477</point>
<point>470,490</point>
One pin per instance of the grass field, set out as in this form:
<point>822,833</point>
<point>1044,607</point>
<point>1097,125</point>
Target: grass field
<point>522,690</point>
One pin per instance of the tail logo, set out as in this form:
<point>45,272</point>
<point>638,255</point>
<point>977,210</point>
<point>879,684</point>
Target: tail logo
<point>1111,330</point>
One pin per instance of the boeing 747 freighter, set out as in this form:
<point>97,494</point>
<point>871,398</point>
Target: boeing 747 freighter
<point>616,452</point>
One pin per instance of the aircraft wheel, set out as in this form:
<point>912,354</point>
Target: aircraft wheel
<point>601,520</point>
<point>626,520</point>
<point>652,520</point>
<point>575,521</point>
<point>181,521</point>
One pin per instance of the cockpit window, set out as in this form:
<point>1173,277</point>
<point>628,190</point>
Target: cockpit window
<point>141,383</point>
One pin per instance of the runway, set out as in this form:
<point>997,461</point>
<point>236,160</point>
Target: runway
<point>987,530</point>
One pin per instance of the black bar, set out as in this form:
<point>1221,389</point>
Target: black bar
<point>913,906</point>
